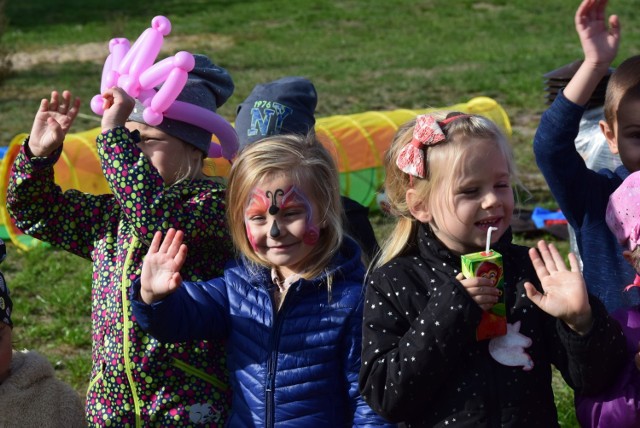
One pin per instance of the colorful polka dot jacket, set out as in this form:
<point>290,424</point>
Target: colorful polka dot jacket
<point>135,380</point>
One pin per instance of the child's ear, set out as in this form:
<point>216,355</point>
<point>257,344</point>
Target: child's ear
<point>610,135</point>
<point>418,206</point>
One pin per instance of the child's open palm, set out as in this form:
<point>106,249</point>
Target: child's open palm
<point>161,267</point>
<point>52,122</point>
<point>599,40</point>
<point>565,293</point>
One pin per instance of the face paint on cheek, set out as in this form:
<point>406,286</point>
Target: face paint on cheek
<point>271,202</point>
<point>312,232</point>
<point>312,235</point>
<point>257,205</point>
<point>252,240</point>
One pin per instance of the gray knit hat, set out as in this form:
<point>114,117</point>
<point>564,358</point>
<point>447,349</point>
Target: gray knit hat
<point>283,106</point>
<point>208,86</point>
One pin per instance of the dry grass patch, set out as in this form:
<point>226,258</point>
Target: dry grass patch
<point>97,52</point>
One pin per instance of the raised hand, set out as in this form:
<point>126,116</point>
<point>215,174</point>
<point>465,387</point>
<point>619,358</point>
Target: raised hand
<point>52,122</point>
<point>565,293</point>
<point>599,41</point>
<point>161,266</point>
<point>117,105</point>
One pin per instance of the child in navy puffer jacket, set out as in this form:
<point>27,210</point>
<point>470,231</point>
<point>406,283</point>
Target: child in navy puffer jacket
<point>290,309</point>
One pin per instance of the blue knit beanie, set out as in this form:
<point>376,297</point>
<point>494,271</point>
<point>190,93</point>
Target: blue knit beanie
<point>208,86</point>
<point>284,106</point>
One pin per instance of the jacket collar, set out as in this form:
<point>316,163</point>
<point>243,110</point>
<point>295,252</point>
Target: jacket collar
<point>346,265</point>
<point>433,251</point>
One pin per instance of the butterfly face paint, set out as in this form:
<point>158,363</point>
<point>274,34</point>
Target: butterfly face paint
<point>270,204</point>
<point>279,221</point>
<point>274,232</point>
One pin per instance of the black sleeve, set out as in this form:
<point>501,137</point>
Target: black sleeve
<point>359,227</point>
<point>591,362</point>
<point>406,359</point>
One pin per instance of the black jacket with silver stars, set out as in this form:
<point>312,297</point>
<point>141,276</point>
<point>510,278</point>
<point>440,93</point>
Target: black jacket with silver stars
<point>422,365</point>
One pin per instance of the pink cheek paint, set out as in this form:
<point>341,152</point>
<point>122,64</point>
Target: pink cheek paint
<point>250,237</point>
<point>257,205</point>
<point>296,196</point>
<point>312,235</point>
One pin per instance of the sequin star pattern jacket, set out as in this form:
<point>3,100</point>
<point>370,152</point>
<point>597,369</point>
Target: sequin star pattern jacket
<point>297,367</point>
<point>421,362</point>
<point>135,381</point>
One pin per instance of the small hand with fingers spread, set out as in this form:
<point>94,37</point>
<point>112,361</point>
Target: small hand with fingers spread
<point>52,122</point>
<point>565,293</point>
<point>161,266</point>
<point>599,41</point>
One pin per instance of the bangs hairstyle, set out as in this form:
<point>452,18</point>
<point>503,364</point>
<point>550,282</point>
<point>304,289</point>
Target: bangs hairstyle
<point>445,164</point>
<point>625,78</point>
<point>310,166</point>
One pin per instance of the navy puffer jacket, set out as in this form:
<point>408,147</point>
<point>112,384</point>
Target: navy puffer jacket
<point>295,368</point>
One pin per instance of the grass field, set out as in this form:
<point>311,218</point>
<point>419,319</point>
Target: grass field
<point>361,55</point>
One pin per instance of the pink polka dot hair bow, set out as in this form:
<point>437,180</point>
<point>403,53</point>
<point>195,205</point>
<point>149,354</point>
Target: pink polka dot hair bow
<point>426,132</point>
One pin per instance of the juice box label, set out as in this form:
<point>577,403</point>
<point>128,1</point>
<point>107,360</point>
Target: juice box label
<point>488,265</point>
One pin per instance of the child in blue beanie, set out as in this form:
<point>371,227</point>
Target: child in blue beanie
<point>287,106</point>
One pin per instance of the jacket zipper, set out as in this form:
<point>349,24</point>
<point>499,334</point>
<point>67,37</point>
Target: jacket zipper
<point>126,343</point>
<point>189,369</point>
<point>273,357</point>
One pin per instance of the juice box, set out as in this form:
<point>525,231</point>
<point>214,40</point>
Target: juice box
<point>488,264</point>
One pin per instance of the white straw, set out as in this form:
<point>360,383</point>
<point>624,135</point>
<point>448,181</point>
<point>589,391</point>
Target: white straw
<point>491,229</point>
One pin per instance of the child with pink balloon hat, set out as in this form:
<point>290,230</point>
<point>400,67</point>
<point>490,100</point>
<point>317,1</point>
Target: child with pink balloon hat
<point>154,139</point>
<point>619,405</point>
<point>133,70</point>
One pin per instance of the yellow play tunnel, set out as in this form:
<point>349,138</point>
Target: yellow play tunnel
<point>358,141</point>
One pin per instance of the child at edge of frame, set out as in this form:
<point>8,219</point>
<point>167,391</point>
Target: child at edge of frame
<point>30,393</point>
<point>583,194</point>
<point>155,174</point>
<point>619,405</point>
<point>449,178</point>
